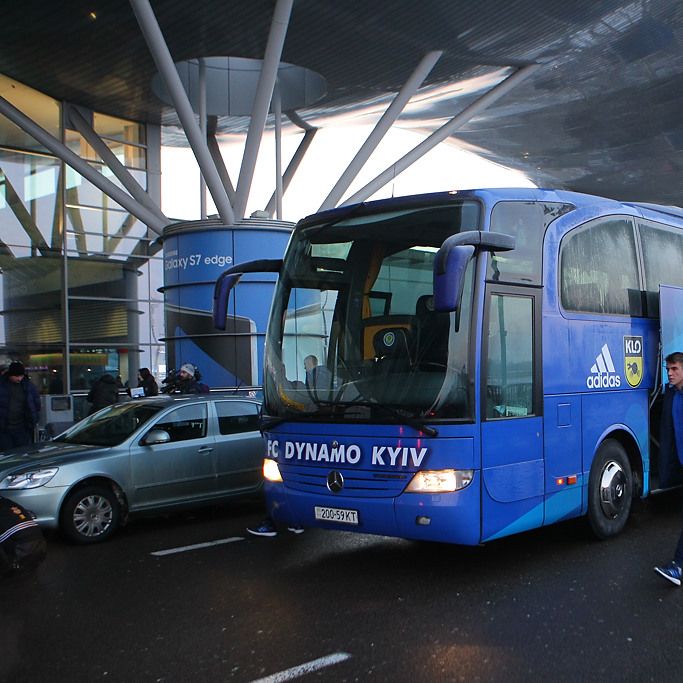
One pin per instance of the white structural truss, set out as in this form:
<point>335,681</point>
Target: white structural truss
<point>200,131</point>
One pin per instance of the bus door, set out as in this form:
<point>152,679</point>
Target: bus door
<point>664,473</point>
<point>512,422</point>
<point>670,321</point>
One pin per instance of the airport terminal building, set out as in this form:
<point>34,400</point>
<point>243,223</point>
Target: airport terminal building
<point>89,93</point>
<point>80,274</point>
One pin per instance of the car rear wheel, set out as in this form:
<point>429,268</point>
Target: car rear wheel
<point>90,514</point>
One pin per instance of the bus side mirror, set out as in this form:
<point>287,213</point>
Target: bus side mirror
<point>221,293</point>
<point>449,277</point>
<point>452,259</point>
<point>227,280</point>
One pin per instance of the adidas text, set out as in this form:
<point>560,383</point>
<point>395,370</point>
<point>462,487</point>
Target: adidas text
<point>603,381</point>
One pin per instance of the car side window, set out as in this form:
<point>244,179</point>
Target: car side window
<point>185,423</point>
<point>235,417</point>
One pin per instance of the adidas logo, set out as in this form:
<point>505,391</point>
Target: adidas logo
<point>603,375</point>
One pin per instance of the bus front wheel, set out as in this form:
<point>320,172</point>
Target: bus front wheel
<point>610,490</point>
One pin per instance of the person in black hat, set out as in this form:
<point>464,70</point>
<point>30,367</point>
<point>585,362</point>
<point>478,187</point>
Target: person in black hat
<point>147,382</point>
<point>19,407</point>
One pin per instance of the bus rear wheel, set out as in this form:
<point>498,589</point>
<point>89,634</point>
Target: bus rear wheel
<point>610,490</point>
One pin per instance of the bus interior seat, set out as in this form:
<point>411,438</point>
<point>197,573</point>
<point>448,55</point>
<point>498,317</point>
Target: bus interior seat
<point>393,349</point>
<point>432,332</point>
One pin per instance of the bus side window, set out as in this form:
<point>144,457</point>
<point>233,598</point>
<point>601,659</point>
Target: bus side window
<point>509,362</point>
<point>599,268</point>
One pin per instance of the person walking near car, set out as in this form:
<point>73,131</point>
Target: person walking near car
<point>22,544</point>
<point>19,407</point>
<point>147,382</point>
<point>104,392</point>
<point>671,450</point>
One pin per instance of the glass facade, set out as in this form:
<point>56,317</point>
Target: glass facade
<point>79,275</point>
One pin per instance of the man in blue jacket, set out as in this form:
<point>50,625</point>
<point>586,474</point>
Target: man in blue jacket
<point>671,450</point>
<point>19,407</point>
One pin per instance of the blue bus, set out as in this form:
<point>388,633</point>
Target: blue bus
<point>466,365</point>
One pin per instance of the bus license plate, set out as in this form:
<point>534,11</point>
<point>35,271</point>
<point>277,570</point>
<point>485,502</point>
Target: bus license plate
<point>336,515</point>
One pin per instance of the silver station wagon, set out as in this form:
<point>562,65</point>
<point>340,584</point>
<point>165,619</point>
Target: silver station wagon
<point>144,455</point>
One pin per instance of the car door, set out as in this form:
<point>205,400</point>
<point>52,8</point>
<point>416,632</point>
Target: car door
<point>239,446</point>
<point>180,470</point>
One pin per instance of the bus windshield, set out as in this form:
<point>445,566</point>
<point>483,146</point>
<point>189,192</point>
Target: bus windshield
<point>353,333</point>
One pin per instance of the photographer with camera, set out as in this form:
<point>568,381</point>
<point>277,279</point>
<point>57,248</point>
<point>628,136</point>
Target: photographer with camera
<point>185,381</point>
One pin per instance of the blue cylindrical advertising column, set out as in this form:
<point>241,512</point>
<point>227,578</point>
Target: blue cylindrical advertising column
<point>195,254</point>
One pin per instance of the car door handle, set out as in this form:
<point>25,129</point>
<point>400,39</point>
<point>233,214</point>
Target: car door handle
<point>205,449</point>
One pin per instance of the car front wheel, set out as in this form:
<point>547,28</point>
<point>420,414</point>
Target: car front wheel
<point>90,514</point>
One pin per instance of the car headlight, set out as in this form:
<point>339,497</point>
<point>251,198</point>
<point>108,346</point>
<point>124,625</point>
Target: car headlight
<point>271,472</point>
<point>440,481</point>
<point>29,480</point>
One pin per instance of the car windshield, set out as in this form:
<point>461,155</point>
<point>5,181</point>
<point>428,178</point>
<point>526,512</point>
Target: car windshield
<point>113,425</point>
<point>353,333</point>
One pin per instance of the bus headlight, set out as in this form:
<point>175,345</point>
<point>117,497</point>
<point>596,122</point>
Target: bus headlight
<point>440,481</point>
<point>271,472</point>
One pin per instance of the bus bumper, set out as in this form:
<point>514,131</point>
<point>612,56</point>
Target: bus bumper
<point>446,517</point>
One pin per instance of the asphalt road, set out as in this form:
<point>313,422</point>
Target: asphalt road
<point>551,604</point>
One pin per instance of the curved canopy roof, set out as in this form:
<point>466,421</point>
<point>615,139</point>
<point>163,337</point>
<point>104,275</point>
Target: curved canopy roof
<point>602,114</point>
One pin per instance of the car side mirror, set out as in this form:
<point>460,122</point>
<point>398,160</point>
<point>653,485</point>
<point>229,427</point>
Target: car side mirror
<point>156,436</point>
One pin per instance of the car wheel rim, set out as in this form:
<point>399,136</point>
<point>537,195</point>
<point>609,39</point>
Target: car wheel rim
<point>613,499</point>
<point>93,516</point>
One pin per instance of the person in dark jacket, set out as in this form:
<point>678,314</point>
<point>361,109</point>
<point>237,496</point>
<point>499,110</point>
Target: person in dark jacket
<point>22,544</point>
<point>147,382</point>
<point>186,381</point>
<point>104,393</point>
<point>19,407</point>
<point>671,451</point>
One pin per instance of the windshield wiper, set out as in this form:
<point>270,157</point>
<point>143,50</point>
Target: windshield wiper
<point>410,420</point>
<point>268,422</point>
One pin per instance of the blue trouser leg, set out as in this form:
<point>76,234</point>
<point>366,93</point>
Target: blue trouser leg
<point>678,556</point>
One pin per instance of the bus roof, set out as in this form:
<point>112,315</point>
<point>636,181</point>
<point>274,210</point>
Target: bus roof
<point>490,196</point>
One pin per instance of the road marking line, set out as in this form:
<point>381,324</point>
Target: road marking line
<point>304,669</point>
<point>196,546</point>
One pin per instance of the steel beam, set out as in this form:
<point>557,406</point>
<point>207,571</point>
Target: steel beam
<point>442,133</point>
<point>292,166</point>
<point>264,93</point>
<point>381,128</point>
<point>83,167</point>
<point>217,157</point>
<point>277,111</point>
<point>111,160</point>
<point>169,74</point>
<point>201,108</point>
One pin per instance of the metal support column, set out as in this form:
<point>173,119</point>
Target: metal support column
<point>202,127</point>
<point>381,128</point>
<point>442,133</point>
<point>111,160</point>
<point>277,112</point>
<point>293,164</point>
<point>264,93</point>
<point>217,157</point>
<point>169,74</point>
<point>83,167</point>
